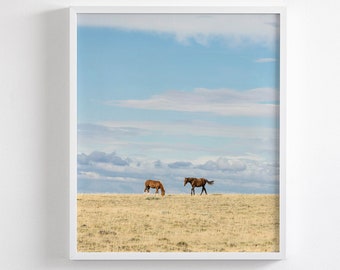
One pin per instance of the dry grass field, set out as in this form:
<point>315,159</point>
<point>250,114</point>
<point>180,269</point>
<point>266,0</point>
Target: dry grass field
<point>178,223</point>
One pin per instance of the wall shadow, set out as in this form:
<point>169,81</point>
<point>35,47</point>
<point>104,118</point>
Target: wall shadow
<point>56,78</point>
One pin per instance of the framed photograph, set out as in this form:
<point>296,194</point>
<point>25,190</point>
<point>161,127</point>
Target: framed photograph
<point>177,133</point>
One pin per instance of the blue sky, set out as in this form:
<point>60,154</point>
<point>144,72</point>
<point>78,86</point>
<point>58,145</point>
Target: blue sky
<point>173,96</point>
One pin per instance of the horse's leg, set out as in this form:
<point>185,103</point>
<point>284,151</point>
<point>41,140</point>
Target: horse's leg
<point>156,190</point>
<point>146,189</point>
<point>203,189</point>
<point>193,191</point>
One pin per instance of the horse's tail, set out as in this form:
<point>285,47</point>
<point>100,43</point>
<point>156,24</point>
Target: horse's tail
<point>210,182</point>
<point>162,189</point>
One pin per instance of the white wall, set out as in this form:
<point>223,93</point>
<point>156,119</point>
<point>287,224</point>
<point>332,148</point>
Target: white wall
<point>33,140</point>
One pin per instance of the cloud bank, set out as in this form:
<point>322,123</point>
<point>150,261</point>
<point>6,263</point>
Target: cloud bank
<point>121,174</point>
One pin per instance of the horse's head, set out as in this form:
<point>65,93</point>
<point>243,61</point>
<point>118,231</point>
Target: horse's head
<point>186,181</point>
<point>163,192</point>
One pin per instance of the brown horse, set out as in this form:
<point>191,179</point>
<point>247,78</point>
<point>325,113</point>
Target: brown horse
<point>197,182</point>
<point>154,184</point>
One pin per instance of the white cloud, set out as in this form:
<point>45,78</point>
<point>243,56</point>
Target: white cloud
<point>228,102</point>
<point>198,128</point>
<point>234,28</point>
<point>265,60</point>
<point>92,175</point>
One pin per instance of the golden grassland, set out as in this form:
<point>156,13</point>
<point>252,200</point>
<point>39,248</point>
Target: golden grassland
<point>178,223</point>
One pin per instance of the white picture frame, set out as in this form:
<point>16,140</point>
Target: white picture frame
<point>77,255</point>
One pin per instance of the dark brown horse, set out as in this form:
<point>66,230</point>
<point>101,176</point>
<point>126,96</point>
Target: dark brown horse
<point>154,184</point>
<point>197,182</point>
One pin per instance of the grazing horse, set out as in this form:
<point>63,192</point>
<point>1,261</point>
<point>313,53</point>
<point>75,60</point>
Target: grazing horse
<point>197,182</point>
<point>154,184</point>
